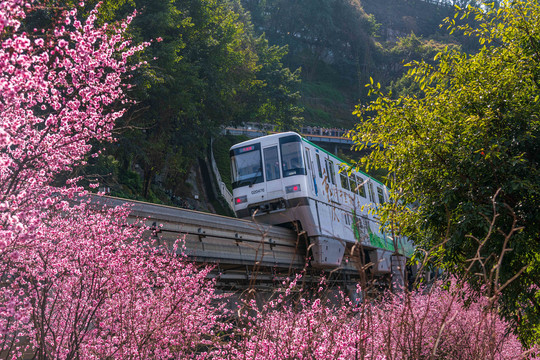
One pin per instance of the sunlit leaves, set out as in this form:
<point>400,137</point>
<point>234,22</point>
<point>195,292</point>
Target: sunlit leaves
<point>472,129</point>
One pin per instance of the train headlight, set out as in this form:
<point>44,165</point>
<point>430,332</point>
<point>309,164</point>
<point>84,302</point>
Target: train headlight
<point>240,200</point>
<point>292,188</point>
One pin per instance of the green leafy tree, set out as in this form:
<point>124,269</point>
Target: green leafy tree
<point>277,92</point>
<point>469,140</point>
<point>405,50</point>
<point>320,32</point>
<point>206,70</point>
<point>191,86</point>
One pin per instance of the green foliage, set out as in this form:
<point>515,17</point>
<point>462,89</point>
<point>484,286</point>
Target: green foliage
<point>405,17</point>
<point>208,70</point>
<point>318,117</point>
<point>322,91</point>
<point>405,51</point>
<point>315,29</point>
<point>329,39</point>
<point>335,42</point>
<point>276,89</point>
<point>468,140</point>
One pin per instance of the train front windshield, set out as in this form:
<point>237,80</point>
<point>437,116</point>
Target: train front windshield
<point>246,166</point>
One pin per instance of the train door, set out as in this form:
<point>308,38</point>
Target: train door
<point>311,173</point>
<point>274,185</point>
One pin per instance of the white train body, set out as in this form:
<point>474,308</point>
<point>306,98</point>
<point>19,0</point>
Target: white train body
<point>284,178</point>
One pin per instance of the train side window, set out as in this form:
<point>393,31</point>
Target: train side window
<point>344,180</point>
<point>352,182</point>
<point>308,159</point>
<point>330,171</point>
<point>381,195</point>
<point>271,163</point>
<point>361,190</point>
<point>327,170</point>
<point>319,165</point>
<point>371,191</point>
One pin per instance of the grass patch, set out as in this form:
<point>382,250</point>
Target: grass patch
<point>321,90</point>
<point>317,117</point>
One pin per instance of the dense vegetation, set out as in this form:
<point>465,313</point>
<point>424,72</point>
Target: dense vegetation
<point>225,62</point>
<point>463,155</point>
<point>79,281</point>
<point>206,69</point>
<point>340,44</point>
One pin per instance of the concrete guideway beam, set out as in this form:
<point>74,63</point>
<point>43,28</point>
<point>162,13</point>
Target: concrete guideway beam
<point>230,243</point>
<point>215,238</point>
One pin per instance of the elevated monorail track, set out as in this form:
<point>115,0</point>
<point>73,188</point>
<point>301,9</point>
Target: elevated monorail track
<point>241,250</point>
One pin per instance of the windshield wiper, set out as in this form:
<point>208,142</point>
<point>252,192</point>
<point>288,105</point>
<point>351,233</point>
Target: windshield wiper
<point>256,176</point>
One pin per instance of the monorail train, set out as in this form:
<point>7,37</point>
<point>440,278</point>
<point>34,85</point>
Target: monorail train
<point>284,178</point>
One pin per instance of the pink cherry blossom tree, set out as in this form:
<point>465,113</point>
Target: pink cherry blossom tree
<point>101,290</point>
<point>433,323</point>
<point>76,280</point>
<point>59,92</point>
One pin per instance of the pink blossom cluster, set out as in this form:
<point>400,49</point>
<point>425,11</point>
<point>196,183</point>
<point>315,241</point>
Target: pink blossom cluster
<point>98,290</point>
<point>77,281</point>
<point>58,92</point>
<point>451,323</point>
<point>11,12</point>
<point>294,328</point>
<point>435,324</point>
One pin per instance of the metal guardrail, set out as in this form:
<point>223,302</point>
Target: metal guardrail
<point>222,187</point>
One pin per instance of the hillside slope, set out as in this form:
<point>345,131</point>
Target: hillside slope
<point>340,44</point>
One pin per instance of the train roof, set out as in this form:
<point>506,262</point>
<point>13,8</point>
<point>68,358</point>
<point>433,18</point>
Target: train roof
<point>271,136</point>
<point>278,135</point>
